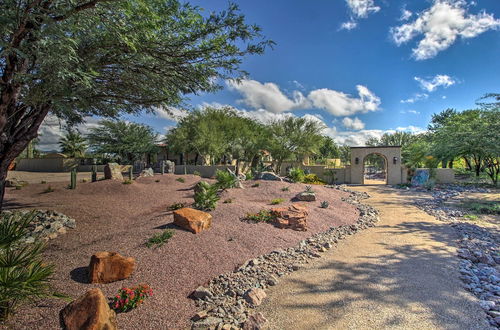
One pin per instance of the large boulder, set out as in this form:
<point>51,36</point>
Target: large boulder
<point>306,196</point>
<point>113,171</point>
<point>89,312</point>
<point>291,217</point>
<point>107,267</point>
<point>193,220</point>
<point>269,176</point>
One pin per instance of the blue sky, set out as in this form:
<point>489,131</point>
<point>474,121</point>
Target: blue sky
<point>362,67</point>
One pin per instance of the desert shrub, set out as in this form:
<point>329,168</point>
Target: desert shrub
<point>225,180</point>
<point>255,185</point>
<point>249,175</point>
<point>206,196</point>
<point>181,180</point>
<point>285,189</point>
<point>127,181</point>
<point>472,217</point>
<point>312,179</point>
<point>309,189</point>
<point>49,189</point>
<point>483,207</point>
<point>324,205</point>
<point>277,201</point>
<point>296,174</point>
<point>261,216</point>
<point>197,173</point>
<point>23,274</point>
<point>130,298</point>
<point>430,184</point>
<point>176,206</point>
<point>158,239</point>
<point>19,187</point>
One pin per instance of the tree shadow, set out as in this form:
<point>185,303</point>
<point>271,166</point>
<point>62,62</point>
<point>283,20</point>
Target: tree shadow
<point>406,275</point>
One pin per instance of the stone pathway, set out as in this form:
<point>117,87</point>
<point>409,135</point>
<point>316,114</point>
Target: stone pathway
<point>402,274</point>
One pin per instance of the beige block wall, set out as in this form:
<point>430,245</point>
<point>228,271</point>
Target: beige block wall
<point>40,165</point>
<point>394,175</point>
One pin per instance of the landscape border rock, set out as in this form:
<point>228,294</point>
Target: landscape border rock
<point>225,304</point>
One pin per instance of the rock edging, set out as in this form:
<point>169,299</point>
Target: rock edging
<point>224,302</point>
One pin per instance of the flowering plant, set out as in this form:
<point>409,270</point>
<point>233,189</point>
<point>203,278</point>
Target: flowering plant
<point>130,298</point>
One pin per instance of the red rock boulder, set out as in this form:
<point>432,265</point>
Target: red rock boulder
<point>292,217</point>
<point>89,312</point>
<point>193,220</point>
<point>107,267</point>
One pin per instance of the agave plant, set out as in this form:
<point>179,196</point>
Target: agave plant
<point>206,196</point>
<point>23,274</point>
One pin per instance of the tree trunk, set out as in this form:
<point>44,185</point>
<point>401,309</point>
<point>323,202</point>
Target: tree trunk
<point>443,163</point>
<point>450,164</point>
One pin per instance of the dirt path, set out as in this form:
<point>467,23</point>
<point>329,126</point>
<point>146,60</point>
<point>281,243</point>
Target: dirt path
<point>402,274</point>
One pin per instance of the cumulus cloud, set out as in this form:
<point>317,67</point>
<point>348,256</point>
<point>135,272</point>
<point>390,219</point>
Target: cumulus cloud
<point>415,98</point>
<point>354,124</point>
<point>267,96</point>
<point>431,84</point>
<point>358,9</point>
<point>52,129</point>
<point>341,104</point>
<point>415,112</point>
<point>171,113</point>
<point>441,25</point>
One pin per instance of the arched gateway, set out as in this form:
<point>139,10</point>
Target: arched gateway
<point>392,167</point>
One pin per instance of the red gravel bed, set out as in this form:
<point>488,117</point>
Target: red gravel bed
<point>112,216</point>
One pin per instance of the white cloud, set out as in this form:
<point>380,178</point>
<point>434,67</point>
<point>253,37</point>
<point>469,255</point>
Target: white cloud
<point>341,104</point>
<point>348,25</point>
<point>52,129</point>
<point>267,96</point>
<point>355,124</point>
<point>174,114</point>
<point>443,97</point>
<point>416,97</point>
<point>431,84</point>
<point>362,8</point>
<point>441,25</point>
<point>405,14</point>
<point>411,129</point>
<point>415,112</point>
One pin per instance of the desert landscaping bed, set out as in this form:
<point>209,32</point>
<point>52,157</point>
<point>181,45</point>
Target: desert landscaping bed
<point>111,216</point>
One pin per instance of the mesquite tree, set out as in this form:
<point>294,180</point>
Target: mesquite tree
<point>78,58</point>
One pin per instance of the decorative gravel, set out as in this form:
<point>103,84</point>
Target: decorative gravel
<point>112,216</point>
<point>478,247</point>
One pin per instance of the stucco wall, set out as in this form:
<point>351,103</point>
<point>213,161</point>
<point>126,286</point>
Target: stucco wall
<point>393,169</point>
<point>205,171</point>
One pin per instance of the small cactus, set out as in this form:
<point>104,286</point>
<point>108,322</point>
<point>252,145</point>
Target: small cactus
<point>309,189</point>
<point>324,204</point>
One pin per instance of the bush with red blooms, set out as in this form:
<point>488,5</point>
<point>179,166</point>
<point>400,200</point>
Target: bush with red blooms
<point>129,298</point>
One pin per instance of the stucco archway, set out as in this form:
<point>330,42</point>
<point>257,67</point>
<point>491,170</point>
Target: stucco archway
<point>392,156</point>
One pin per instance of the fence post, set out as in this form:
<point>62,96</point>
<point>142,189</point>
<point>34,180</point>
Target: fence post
<point>131,173</point>
<point>73,179</point>
<point>162,167</point>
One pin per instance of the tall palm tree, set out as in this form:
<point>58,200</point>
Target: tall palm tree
<point>73,144</point>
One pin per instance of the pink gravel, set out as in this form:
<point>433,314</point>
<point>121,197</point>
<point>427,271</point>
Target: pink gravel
<point>112,216</point>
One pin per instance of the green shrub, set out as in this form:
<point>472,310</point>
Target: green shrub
<point>197,173</point>
<point>296,174</point>
<point>261,216</point>
<point>255,185</point>
<point>430,184</point>
<point>176,206</point>
<point>277,201</point>
<point>19,187</point>
<point>181,180</point>
<point>285,189</point>
<point>49,189</point>
<point>225,180</point>
<point>158,239</point>
<point>206,196</point>
<point>313,179</point>
<point>128,181</point>
<point>324,205</point>
<point>472,217</point>
<point>23,275</point>
<point>249,175</point>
